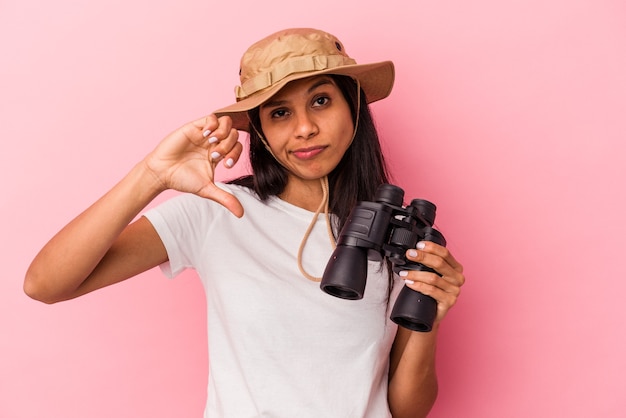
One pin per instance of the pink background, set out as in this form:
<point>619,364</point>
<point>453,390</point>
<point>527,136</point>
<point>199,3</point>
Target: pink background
<point>510,116</point>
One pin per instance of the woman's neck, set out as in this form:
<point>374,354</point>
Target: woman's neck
<point>306,194</point>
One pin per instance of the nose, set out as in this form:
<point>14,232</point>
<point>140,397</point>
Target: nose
<point>306,127</point>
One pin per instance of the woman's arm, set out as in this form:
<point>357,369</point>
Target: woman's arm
<point>99,247</point>
<point>412,374</point>
<point>413,379</point>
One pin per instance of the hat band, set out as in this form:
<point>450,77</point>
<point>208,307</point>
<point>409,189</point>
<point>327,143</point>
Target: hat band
<point>294,65</point>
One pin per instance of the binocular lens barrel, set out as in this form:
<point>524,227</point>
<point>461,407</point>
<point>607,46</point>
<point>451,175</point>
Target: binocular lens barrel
<point>426,209</point>
<point>390,194</point>
<point>414,310</point>
<point>345,273</point>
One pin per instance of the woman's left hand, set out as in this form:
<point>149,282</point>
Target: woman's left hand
<point>444,287</point>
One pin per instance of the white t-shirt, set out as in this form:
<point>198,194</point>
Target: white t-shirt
<point>278,345</point>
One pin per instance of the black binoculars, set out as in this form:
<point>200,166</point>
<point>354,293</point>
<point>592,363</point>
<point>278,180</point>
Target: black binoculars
<point>381,229</point>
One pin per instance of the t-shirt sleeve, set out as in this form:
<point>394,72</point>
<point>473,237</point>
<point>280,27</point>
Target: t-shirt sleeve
<point>177,224</point>
<point>175,263</point>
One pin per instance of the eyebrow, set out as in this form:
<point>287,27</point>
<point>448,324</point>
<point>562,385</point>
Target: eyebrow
<point>274,103</point>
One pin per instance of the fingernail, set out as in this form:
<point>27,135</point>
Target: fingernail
<point>230,162</point>
<point>213,140</point>
<point>215,155</point>
<point>407,281</point>
<point>421,245</point>
<point>412,253</point>
<point>206,133</point>
<point>403,273</point>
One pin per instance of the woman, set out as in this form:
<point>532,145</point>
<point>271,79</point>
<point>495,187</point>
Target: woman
<point>278,345</point>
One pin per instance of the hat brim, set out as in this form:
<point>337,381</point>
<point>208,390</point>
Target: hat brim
<point>376,80</point>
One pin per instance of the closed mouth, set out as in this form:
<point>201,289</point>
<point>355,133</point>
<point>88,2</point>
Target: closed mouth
<point>308,153</point>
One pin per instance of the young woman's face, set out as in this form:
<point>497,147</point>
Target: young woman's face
<point>308,126</point>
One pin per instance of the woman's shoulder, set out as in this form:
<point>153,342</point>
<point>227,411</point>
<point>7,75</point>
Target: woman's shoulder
<point>240,191</point>
<point>191,202</point>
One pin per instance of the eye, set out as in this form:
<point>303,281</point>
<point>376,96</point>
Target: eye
<point>278,113</point>
<point>321,101</point>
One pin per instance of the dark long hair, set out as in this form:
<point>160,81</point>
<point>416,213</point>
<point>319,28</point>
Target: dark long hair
<point>357,176</point>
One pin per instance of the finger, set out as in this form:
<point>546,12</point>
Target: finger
<point>226,146</point>
<point>219,127</point>
<point>227,141</point>
<point>446,298</point>
<point>445,283</point>
<point>198,130</point>
<point>440,295</point>
<point>212,129</point>
<point>439,263</point>
<point>436,257</point>
<point>441,251</point>
<point>232,157</point>
<point>230,202</point>
<point>435,262</point>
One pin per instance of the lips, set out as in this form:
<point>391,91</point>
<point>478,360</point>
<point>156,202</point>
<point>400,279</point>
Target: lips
<point>308,153</point>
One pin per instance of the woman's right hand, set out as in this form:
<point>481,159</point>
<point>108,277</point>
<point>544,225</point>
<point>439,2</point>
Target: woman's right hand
<point>186,159</point>
<point>101,246</point>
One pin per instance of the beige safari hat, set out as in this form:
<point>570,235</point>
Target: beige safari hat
<point>292,54</point>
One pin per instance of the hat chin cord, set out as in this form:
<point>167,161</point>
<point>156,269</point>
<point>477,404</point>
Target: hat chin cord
<point>324,204</point>
<point>322,207</point>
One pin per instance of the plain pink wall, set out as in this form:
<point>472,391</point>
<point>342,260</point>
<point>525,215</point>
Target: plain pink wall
<point>511,116</point>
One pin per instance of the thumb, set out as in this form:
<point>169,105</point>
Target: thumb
<point>229,201</point>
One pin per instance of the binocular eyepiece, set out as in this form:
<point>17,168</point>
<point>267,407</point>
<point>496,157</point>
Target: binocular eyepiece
<point>378,230</point>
